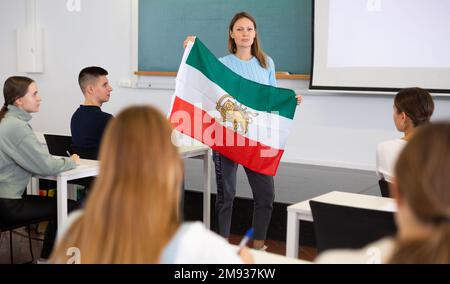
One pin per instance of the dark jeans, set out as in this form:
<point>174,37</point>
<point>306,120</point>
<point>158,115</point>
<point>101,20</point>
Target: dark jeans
<point>263,195</point>
<point>30,207</point>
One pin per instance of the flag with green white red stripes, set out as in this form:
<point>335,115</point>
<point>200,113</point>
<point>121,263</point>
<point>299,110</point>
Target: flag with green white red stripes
<point>245,121</point>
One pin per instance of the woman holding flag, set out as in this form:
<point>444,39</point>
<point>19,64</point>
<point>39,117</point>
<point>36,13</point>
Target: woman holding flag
<point>248,60</point>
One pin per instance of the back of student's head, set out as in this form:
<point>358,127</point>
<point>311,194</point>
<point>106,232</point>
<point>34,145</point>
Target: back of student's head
<point>416,103</point>
<point>423,178</point>
<point>89,75</point>
<point>132,211</point>
<point>15,87</point>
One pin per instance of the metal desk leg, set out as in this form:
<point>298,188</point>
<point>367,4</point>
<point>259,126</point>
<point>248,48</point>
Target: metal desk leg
<point>292,235</point>
<point>29,187</point>
<point>61,199</point>
<point>207,190</point>
<point>33,186</point>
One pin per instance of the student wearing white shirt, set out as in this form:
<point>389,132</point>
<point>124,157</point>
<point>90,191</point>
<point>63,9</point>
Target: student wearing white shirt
<point>413,107</point>
<point>131,215</point>
<point>421,192</point>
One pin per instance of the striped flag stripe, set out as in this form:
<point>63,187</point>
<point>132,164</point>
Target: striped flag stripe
<point>268,128</point>
<point>257,96</point>
<point>253,154</point>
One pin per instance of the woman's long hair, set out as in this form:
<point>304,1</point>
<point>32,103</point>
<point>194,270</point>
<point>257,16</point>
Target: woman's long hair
<point>256,47</point>
<point>423,177</point>
<point>15,87</point>
<point>132,211</point>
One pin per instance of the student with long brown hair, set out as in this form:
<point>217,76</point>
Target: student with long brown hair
<point>21,156</point>
<point>422,195</point>
<point>131,215</point>
<point>248,60</point>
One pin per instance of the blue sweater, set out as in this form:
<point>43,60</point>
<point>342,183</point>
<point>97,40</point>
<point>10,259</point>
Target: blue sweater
<point>87,126</point>
<point>251,69</point>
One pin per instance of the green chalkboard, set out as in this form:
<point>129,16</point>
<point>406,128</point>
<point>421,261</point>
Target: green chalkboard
<point>284,27</point>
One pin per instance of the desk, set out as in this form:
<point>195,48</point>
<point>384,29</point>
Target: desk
<point>89,168</point>
<point>86,168</point>
<point>205,153</point>
<point>302,211</point>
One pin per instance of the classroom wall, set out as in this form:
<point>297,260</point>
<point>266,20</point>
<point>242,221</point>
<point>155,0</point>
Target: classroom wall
<point>339,130</point>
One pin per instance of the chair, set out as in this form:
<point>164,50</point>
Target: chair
<point>10,228</point>
<point>338,226</point>
<point>58,145</point>
<point>384,188</point>
<point>86,153</point>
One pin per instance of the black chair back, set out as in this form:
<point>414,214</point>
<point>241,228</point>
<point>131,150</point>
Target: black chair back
<point>384,188</point>
<point>58,145</point>
<point>339,226</point>
<point>86,153</point>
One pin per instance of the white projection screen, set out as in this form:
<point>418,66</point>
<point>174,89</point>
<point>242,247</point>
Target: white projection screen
<point>381,45</point>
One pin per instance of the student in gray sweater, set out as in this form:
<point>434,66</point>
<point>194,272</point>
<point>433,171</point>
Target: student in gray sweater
<point>21,156</point>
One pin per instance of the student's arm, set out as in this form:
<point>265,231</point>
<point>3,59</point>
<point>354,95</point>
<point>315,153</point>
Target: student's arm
<point>30,155</point>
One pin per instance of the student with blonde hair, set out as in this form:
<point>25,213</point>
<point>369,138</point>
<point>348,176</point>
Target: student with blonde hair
<point>132,213</point>
<point>421,191</point>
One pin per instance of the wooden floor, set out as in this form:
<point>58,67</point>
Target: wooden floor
<point>21,247</point>
<point>22,252</point>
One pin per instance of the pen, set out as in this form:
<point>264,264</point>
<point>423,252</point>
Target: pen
<point>68,153</point>
<point>246,239</point>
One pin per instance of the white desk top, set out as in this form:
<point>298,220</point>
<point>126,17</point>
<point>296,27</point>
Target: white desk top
<point>85,166</point>
<point>192,151</point>
<point>185,151</point>
<point>93,165</point>
<point>347,199</point>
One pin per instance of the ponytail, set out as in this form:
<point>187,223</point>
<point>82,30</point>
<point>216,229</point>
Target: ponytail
<point>3,112</point>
